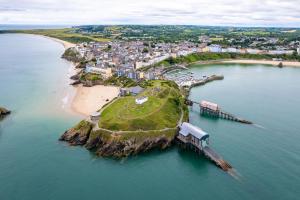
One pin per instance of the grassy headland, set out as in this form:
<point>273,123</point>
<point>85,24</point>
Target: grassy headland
<point>162,110</point>
<point>126,128</point>
<point>67,34</point>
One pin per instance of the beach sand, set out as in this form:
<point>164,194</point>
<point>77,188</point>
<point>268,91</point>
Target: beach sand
<point>85,100</point>
<point>90,99</point>
<point>264,62</point>
<point>64,43</point>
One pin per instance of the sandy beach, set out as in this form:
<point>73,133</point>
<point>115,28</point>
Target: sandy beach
<point>90,99</point>
<point>86,100</point>
<point>64,43</point>
<point>264,62</point>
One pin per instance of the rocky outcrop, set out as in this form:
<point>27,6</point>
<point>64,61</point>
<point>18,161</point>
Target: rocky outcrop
<point>71,55</point>
<point>79,134</point>
<point>83,78</point>
<point>124,148</point>
<point>107,144</point>
<point>4,112</point>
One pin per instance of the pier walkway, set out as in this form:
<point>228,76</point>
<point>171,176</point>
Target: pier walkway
<point>214,157</point>
<point>213,110</point>
<point>196,139</point>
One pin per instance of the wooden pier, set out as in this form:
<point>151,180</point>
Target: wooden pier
<point>196,139</point>
<point>218,160</point>
<point>213,110</point>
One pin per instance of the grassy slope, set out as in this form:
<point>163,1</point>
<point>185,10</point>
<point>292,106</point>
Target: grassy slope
<point>218,56</point>
<point>64,34</point>
<point>162,110</point>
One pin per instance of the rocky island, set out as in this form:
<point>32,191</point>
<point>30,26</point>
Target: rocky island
<point>4,112</point>
<point>133,123</point>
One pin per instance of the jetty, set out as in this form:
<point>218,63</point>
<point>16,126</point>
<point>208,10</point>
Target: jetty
<point>188,81</point>
<point>194,138</point>
<point>213,110</point>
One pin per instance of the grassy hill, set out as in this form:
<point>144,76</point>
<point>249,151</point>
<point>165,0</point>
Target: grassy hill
<point>66,34</point>
<point>128,129</point>
<point>162,110</point>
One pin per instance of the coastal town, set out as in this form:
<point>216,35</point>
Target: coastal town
<point>146,100</point>
<point>135,59</point>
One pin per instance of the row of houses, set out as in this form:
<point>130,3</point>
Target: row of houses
<point>126,58</point>
<point>218,49</point>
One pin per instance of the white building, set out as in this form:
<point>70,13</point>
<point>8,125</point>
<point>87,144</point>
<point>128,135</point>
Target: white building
<point>105,72</point>
<point>215,48</point>
<point>231,50</point>
<point>141,100</point>
<point>280,52</point>
<point>151,61</point>
<point>298,51</point>
<point>193,135</point>
<point>253,51</point>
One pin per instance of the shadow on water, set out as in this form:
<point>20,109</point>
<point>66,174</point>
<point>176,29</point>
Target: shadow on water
<point>208,117</point>
<point>193,159</point>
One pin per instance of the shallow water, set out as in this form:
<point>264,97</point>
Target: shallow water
<point>35,165</point>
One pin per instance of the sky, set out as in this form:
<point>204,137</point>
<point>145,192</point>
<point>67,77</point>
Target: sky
<point>277,13</point>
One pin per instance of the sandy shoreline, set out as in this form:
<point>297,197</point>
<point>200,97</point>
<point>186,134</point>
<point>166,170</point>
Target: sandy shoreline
<point>86,100</point>
<point>264,62</point>
<point>91,99</point>
<point>64,43</point>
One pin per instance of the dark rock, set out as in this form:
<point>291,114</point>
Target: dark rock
<point>71,55</point>
<point>79,134</point>
<point>4,112</point>
<point>75,82</point>
<point>104,145</point>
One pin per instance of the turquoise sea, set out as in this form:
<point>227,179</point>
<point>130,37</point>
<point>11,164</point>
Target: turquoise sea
<point>35,165</point>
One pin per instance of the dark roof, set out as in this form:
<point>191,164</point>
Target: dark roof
<point>136,89</point>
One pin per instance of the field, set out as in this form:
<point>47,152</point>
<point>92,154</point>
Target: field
<point>162,110</point>
<point>67,34</point>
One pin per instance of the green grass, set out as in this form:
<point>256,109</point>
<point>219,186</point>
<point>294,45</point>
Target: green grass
<point>92,77</point>
<point>120,81</point>
<point>66,34</point>
<point>138,136</point>
<point>83,126</point>
<point>219,56</point>
<point>162,110</point>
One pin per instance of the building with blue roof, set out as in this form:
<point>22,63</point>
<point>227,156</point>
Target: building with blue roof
<point>190,134</point>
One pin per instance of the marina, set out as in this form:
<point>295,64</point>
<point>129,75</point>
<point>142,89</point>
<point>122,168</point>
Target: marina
<point>186,79</point>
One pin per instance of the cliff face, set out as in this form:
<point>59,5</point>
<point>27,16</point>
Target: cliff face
<point>107,145</point>
<point>4,112</point>
<point>71,55</point>
<point>77,135</point>
<point>124,148</point>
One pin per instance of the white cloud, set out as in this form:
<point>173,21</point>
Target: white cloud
<point>200,12</point>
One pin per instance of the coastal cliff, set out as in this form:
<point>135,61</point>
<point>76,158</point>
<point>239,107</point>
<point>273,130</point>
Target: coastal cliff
<point>116,145</point>
<point>4,112</point>
<point>126,128</point>
<point>71,55</point>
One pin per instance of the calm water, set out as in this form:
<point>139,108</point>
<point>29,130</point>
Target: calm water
<point>30,27</point>
<point>34,165</point>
